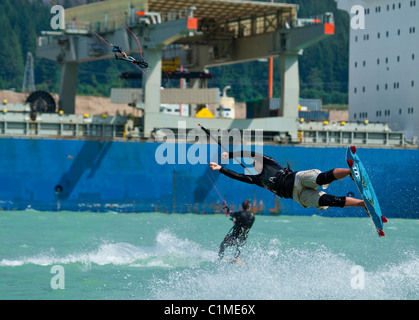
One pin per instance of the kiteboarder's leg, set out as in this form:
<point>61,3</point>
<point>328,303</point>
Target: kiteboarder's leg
<point>328,200</point>
<point>352,202</point>
<point>241,240</point>
<point>238,251</point>
<point>221,251</point>
<point>228,241</point>
<point>325,178</point>
<point>340,173</point>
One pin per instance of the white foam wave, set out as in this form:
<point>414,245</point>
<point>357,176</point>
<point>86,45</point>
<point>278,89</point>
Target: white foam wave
<point>294,273</point>
<point>271,271</point>
<point>168,251</point>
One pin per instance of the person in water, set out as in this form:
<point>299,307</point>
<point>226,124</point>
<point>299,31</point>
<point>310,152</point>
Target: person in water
<point>300,186</point>
<point>237,236</point>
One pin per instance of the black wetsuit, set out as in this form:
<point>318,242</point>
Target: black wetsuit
<point>273,176</point>
<point>238,233</point>
<point>280,180</point>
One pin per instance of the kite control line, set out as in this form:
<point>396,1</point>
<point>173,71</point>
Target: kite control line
<point>209,134</point>
<point>239,162</point>
<point>225,206</point>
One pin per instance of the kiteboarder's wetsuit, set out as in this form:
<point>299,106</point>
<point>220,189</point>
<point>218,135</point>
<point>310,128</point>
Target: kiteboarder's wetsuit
<point>273,176</point>
<point>243,221</point>
<point>286,183</point>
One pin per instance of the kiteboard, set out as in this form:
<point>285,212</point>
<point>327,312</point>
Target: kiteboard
<point>363,183</point>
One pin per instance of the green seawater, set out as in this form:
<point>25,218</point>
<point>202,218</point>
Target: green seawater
<point>175,256</point>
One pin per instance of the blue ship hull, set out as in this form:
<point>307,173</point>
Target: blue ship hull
<point>75,175</point>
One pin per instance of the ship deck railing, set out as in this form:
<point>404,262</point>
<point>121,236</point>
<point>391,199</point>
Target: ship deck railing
<point>56,125</point>
<point>52,125</point>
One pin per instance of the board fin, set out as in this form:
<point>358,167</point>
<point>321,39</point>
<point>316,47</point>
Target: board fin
<point>350,162</point>
<point>381,233</point>
<point>353,149</point>
<point>384,219</point>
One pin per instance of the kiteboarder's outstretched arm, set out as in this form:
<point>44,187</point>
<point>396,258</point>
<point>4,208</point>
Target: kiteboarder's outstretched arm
<point>259,159</point>
<point>232,174</point>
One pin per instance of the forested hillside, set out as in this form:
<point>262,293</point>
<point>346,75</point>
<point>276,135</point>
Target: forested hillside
<point>323,67</point>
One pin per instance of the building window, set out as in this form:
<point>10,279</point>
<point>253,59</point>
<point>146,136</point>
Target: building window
<point>378,87</point>
<point>355,90</point>
<point>364,63</point>
<point>413,56</point>
<point>413,83</point>
<point>378,61</point>
<point>409,110</point>
<point>386,86</point>
<point>363,89</point>
<point>387,34</point>
<point>398,58</point>
<point>356,64</point>
<point>400,111</point>
<point>398,32</point>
